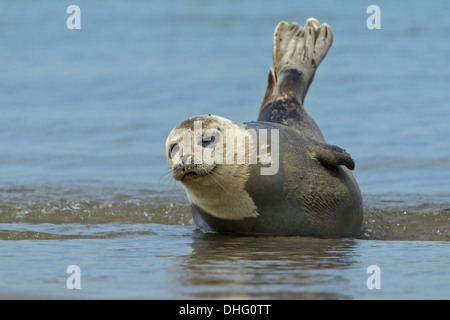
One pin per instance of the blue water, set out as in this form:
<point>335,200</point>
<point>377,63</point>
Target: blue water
<point>84,115</point>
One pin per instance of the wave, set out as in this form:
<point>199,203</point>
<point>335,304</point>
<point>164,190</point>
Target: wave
<point>387,217</point>
<point>406,217</point>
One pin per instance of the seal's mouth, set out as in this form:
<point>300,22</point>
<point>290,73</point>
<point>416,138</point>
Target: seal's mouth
<point>188,175</point>
<point>192,174</point>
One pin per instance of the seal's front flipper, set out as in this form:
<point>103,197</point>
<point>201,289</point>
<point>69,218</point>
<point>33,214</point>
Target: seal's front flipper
<point>328,154</point>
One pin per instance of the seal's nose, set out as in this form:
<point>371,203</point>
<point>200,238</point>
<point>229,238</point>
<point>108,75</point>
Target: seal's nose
<point>186,158</point>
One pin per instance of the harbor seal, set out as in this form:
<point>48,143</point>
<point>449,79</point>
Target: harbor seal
<point>241,179</point>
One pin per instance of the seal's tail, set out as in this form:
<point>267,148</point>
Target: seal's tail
<point>301,49</point>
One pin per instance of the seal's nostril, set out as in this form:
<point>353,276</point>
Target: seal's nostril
<point>186,158</point>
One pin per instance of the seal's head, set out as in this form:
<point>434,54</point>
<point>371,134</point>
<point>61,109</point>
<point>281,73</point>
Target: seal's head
<point>209,155</point>
<point>187,144</point>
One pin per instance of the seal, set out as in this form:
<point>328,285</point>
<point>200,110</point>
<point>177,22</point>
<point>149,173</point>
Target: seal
<point>240,179</point>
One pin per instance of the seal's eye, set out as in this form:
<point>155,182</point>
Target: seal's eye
<point>207,140</point>
<point>173,150</point>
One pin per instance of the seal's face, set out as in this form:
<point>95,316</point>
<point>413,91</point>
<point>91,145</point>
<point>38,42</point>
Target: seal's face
<point>194,147</point>
<point>209,156</point>
<point>182,158</point>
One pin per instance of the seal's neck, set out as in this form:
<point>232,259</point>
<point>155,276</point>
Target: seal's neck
<point>222,193</point>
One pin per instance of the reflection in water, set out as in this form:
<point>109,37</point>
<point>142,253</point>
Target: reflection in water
<point>240,267</point>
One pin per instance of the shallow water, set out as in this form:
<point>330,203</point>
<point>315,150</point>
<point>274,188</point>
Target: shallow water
<point>84,115</point>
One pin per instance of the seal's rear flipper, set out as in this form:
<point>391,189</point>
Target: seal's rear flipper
<point>328,154</point>
<point>302,49</point>
<point>297,52</point>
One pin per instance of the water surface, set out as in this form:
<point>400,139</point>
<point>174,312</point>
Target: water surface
<point>84,115</point>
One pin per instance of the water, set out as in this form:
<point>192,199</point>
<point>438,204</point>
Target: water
<point>84,115</point>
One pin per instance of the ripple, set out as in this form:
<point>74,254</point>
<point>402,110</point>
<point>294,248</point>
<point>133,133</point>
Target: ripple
<point>77,212</point>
